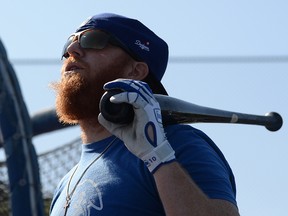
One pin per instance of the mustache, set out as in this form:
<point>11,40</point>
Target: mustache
<point>73,60</point>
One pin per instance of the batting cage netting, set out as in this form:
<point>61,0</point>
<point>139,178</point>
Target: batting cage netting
<point>52,165</point>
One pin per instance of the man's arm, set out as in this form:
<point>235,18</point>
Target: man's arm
<point>181,196</point>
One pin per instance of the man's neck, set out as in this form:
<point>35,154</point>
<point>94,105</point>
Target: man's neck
<point>92,131</point>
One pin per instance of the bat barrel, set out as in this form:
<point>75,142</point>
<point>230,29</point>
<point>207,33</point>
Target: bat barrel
<point>122,113</point>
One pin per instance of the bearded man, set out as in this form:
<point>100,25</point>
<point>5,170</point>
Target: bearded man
<point>139,168</point>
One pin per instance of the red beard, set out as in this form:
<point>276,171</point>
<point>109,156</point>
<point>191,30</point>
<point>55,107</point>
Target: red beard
<point>78,97</point>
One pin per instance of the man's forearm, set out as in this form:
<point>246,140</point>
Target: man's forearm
<point>181,196</point>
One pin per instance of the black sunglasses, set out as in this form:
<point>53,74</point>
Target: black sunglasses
<point>94,39</point>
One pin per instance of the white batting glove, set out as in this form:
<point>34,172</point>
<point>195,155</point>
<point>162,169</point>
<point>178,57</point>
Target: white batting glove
<point>145,136</point>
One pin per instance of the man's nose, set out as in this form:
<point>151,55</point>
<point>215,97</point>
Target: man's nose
<point>75,50</point>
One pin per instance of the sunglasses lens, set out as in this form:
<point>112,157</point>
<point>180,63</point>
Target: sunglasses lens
<point>66,45</point>
<point>94,39</point>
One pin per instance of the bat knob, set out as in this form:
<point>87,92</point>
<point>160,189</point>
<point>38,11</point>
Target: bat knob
<point>275,122</point>
<point>119,113</point>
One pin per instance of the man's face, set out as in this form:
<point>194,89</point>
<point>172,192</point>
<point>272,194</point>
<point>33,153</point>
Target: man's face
<point>84,73</point>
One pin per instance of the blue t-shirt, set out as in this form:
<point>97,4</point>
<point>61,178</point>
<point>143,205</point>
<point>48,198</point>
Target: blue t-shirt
<point>118,183</point>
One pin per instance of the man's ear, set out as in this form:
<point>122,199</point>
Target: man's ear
<point>139,71</point>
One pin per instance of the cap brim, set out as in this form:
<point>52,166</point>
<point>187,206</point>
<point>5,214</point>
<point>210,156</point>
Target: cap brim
<point>155,85</point>
<point>159,88</point>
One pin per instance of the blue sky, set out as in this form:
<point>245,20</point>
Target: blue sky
<point>34,29</point>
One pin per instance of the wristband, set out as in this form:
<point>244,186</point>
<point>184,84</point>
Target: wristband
<point>161,154</point>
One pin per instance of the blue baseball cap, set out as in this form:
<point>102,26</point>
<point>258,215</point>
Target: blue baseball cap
<point>137,38</point>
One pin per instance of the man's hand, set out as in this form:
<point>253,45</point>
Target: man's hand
<point>145,136</point>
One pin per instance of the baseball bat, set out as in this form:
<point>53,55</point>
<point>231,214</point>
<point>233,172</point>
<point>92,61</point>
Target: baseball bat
<point>174,111</point>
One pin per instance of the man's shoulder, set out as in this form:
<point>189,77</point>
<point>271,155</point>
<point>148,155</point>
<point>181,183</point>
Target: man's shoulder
<point>183,131</point>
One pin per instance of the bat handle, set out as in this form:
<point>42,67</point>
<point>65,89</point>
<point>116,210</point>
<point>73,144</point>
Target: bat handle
<point>120,113</point>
